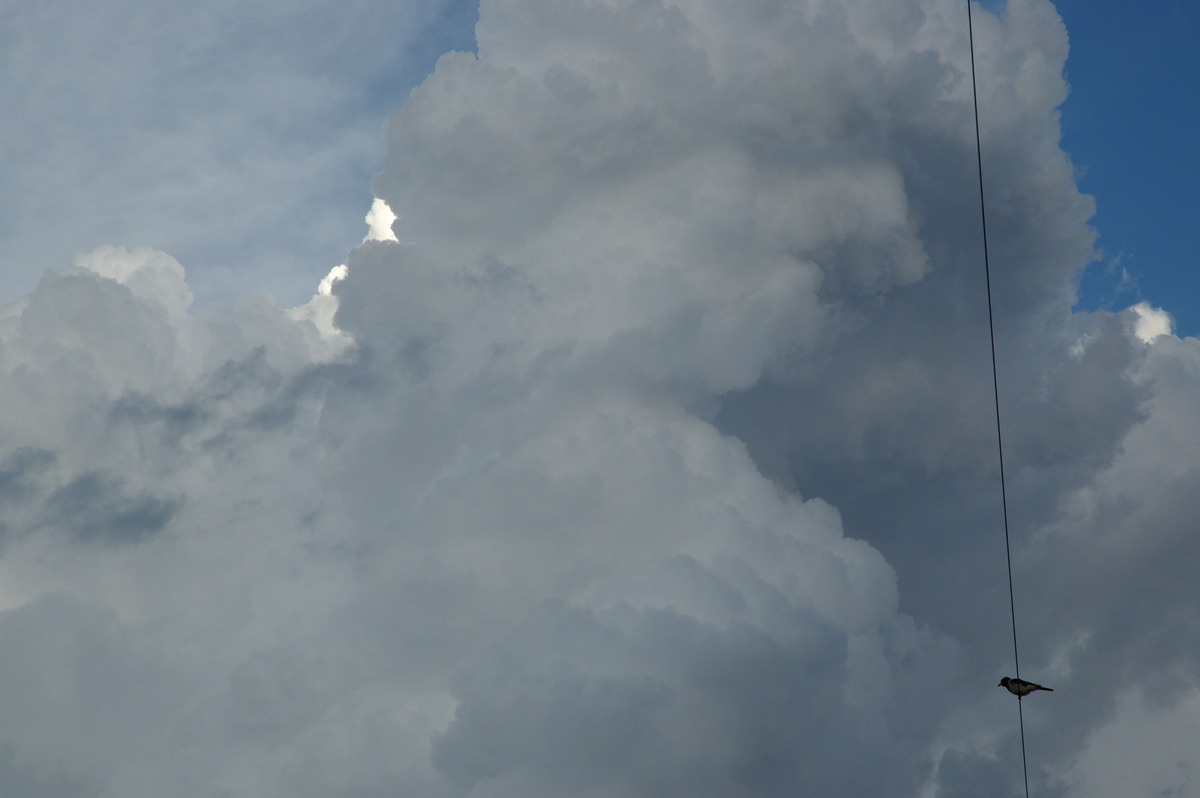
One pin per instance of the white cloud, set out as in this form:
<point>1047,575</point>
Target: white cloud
<point>319,312</point>
<point>1151,322</point>
<point>379,221</point>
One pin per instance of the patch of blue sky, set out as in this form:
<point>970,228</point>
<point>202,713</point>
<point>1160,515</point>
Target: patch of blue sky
<point>1129,126</point>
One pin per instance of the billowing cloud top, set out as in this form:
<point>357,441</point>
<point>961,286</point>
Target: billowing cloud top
<point>650,451</point>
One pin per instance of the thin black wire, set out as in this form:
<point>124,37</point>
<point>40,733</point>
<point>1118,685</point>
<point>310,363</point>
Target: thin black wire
<point>987,271</point>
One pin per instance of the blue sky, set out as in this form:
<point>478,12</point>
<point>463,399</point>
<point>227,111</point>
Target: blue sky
<point>1130,126</point>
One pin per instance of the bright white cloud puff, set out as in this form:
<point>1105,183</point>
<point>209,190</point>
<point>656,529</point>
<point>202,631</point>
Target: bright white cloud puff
<point>656,457</point>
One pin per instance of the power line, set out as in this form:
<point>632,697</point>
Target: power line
<point>987,271</point>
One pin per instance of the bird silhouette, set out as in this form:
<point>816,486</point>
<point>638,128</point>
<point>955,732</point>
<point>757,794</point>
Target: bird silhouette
<point>1021,688</point>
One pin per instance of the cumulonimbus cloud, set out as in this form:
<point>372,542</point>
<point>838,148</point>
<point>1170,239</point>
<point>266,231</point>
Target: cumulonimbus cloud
<point>653,456</point>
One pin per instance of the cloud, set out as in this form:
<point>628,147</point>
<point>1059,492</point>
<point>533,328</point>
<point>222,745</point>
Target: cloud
<point>653,454</point>
<point>93,506</point>
<point>1142,752</point>
<point>1151,322</point>
<point>380,220</point>
<point>240,137</point>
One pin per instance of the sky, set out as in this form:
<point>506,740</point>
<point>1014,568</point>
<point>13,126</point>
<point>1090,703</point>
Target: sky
<point>1126,124</point>
<point>155,123</point>
<point>239,136</point>
<point>650,452</point>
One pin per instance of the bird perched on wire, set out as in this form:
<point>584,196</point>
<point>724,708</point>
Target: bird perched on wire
<point>1021,688</point>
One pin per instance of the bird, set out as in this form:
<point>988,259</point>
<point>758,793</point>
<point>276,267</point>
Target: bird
<point>1021,688</point>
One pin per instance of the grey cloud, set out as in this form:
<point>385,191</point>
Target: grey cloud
<point>581,702</point>
<point>607,718</point>
<point>17,472</point>
<point>70,671</point>
<point>1131,521</point>
<point>176,420</point>
<point>24,477</point>
<point>881,399</point>
<point>97,507</point>
<point>663,459</point>
<point>273,694</point>
<point>23,780</point>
